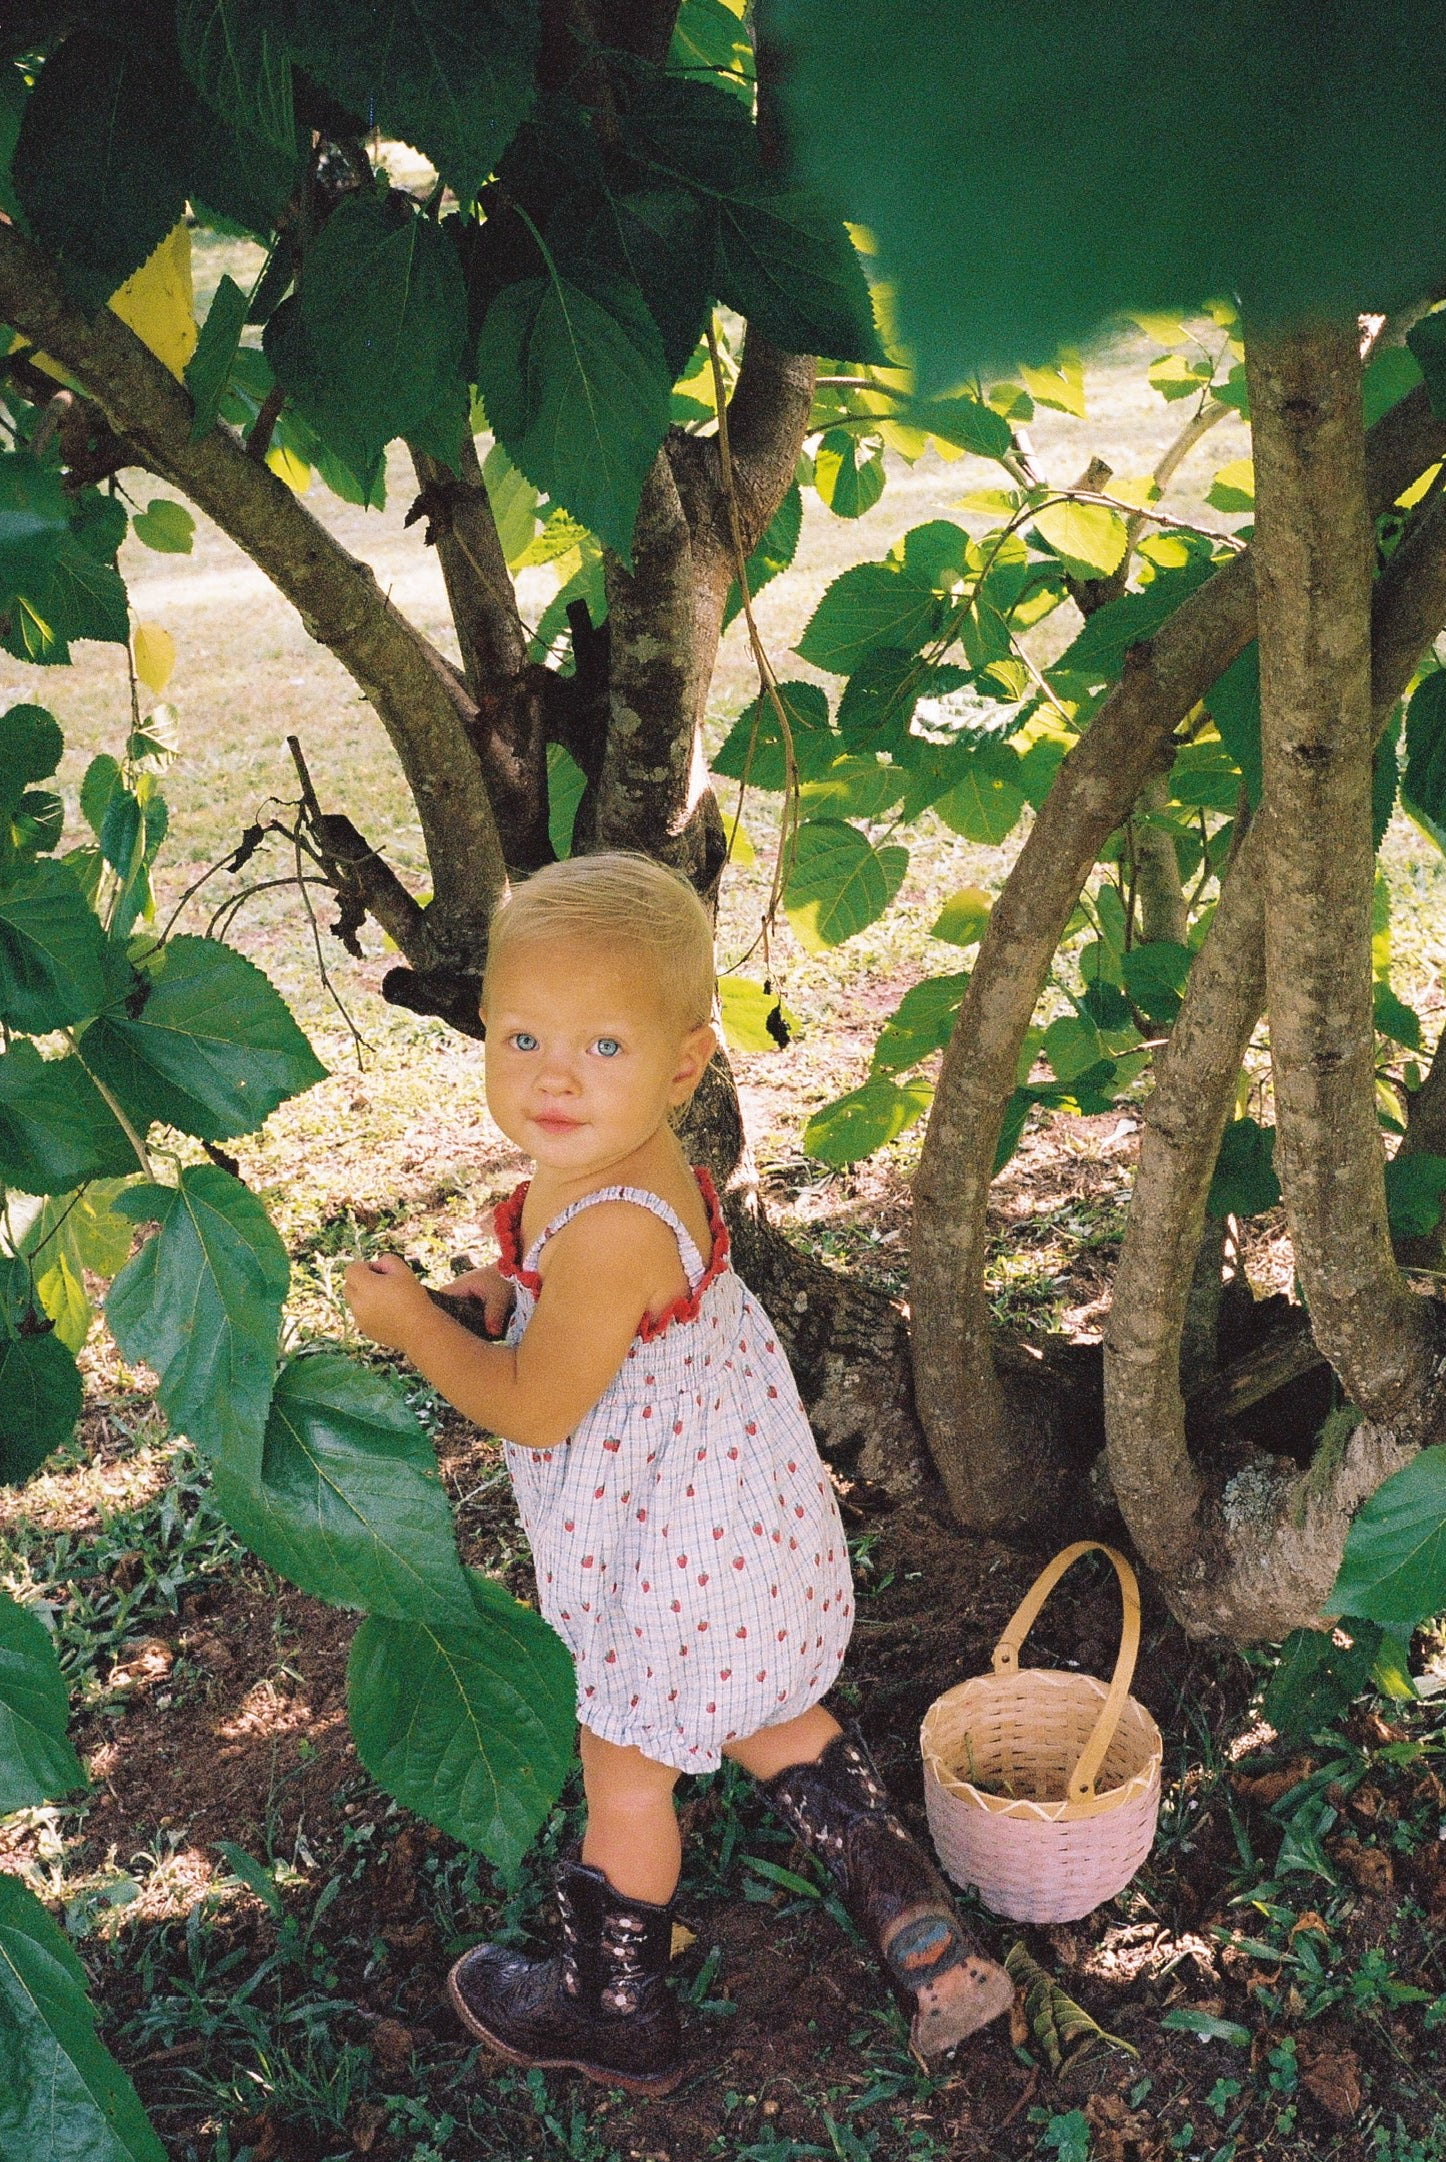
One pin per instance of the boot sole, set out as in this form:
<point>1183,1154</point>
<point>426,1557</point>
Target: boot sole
<point>656,2083</point>
<point>962,2001</point>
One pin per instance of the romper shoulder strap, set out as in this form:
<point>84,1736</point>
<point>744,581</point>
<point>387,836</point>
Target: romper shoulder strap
<point>691,1259</point>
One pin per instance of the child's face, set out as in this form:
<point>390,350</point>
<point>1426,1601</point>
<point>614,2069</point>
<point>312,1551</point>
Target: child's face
<point>585,1059</point>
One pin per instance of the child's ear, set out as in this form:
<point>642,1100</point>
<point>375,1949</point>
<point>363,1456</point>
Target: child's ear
<point>694,1053</point>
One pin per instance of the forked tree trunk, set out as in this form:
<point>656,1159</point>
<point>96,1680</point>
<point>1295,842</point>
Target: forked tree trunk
<point>1254,1555</point>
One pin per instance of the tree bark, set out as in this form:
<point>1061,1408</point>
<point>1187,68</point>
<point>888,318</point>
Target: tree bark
<point>998,1473</point>
<point>1163,910</point>
<point>1313,583</point>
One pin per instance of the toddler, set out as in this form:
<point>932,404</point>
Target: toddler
<point>687,1542</point>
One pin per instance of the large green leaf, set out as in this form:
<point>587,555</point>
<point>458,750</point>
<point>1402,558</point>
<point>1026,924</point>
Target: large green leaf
<point>1155,975</point>
<point>661,238</point>
<point>471,1728</point>
<point>849,484</point>
<point>348,1503</point>
<point>985,801</point>
<point>854,1126</point>
<point>36,1760</point>
<point>235,52</point>
<point>1244,1182</point>
<point>1318,1680</point>
<point>922,1022</point>
<point>56,1130</point>
<point>787,265</point>
<point>452,77</point>
<point>212,1050</point>
<point>1233,701</point>
<point>1415,1191</point>
<point>576,387</point>
<point>52,951</point>
<point>1097,655</point>
<point>838,882</point>
<point>102,160</point>
<point>64,2098</point>
<point>34,519</point>
<point>371,347</point>
<point>67,1235</point>
<point>1089,538</point>
<point>1423,784</point>
<point>201,1303</point>
<point>40,1399</point>
<point>880,697</point>
<point>872,604</point>
<point>1393,1570</point>
<point>773,554</point>
<point>753,746</point>
<point>30,750</point>
<point>1269,166</point>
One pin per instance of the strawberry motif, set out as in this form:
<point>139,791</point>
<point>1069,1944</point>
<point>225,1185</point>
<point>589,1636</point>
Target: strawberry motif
<point>612,1446</point>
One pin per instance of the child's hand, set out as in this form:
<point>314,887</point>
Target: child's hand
<point>493,1291</point>
<point>386,1299</point>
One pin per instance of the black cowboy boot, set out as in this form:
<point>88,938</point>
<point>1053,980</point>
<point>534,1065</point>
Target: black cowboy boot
<point>840,1809</point>
<point>600,2006</point>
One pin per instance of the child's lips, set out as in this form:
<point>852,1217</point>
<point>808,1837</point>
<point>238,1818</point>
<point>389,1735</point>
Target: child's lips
<point>555,1122</point>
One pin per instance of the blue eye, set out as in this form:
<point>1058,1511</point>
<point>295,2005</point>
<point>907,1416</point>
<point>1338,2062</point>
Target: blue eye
<point>522,1041</point>
<point>607,1047</point>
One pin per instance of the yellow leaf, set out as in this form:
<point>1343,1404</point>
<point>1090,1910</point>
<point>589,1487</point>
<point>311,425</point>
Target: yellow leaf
<point>740,848</point>
<point>288,467</point>
<point>155,651</point>
<point>682,1938</point>
<point>155,301</point>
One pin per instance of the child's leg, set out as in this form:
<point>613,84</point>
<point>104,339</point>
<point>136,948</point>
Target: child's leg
<point>797,1741</point>
<point>632,1827</point>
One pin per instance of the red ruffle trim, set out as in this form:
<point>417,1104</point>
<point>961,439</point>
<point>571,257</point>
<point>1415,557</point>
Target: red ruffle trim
<point>507,1218</point>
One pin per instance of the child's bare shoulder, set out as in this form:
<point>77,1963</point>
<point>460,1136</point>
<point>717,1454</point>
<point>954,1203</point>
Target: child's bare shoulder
<point>621,1233</point>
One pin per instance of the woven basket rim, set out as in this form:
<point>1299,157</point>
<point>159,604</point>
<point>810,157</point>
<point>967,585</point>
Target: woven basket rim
<point>1104,1800</point>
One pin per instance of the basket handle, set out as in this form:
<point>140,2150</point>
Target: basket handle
<point>1006,1653</point>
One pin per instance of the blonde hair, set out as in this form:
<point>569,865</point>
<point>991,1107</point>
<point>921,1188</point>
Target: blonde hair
<point>620,900</point>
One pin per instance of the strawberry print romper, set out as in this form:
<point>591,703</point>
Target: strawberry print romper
<point>688,1545</point>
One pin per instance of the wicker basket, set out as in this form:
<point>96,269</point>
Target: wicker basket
<point>1043,1787</point>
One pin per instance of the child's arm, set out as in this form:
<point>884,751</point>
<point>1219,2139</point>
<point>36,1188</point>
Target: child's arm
<point>606,1270</point>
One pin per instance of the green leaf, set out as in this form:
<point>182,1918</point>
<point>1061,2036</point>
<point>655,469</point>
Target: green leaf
<point>1205,777</point>
<point>1318,1680</point>
<point>880,697</point>
<point>165,526</point>
<point>774,552</point>
<point>1244,1182</point>
<point>961,421</point>
<point>84,598</point>
<point>30,750</point>
<point>1415,1186</point>
<point>254,1875</point>
<point>201,1303</point>
<point>40,1399</point>
<point>852,788</point>
<point>848,486</point>
<point>1234,706</point>
<point>871,604</point>
<point>213,1049</point>
<point>754,1018</point>
<point>471,1728</point>
<point>710,41</point>
<point>235,51</point>
<point>1427,343</point>
<point>1072,1045</point>
<point>56,1131</point>
<point>576,388</point>
<point>101,162</point>
<point>52,951</point>
<point>566,783</point>
<point>786,264</point>
<point>754,744</point>
<point>1279,182</point>
<point>34,519</point>
<point>66,2099</point>
<point>1233,488</point>
<point>36,1760</point>
<point>1423,785</point>
<point>1097,655</point>
<point>514,504</point>
<point>1394,1018</point>
<point>347,1503</point>
<point>1089,539</point>
<point>1185,2019</point>
<point>1061,384</point>
<point>372,345</point>
<point>1155,976</point>
<point>661,239</point>
<point>984,803</point>
<point>838,882</point>
<point>1393,1570</point>
<point>922,1022</point>
<point>964,918</point>
<point>854,1126</point>
<point>68,1234</point>
<point>455,82</point>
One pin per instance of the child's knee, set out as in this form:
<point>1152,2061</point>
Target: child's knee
<point>621,1775</point>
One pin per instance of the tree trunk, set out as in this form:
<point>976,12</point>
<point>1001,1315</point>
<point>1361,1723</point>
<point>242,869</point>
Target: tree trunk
<point>1000,1472</point>
<point>1163,911</point>
<point>1313,586</point>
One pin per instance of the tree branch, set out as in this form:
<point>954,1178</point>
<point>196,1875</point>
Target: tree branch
<point>422,703</point>
<point>767,420</point>
<point>991,1484</point>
